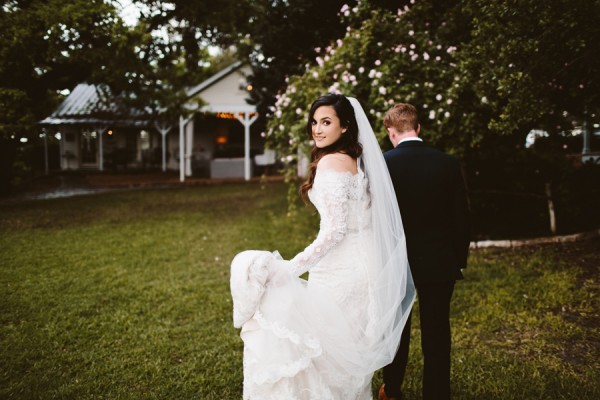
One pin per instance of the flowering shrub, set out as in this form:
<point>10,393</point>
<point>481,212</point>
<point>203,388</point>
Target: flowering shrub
<point>482,75</point>
<point>385,58</point>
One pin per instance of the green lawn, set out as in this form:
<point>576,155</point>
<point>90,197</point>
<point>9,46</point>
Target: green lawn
<point>126,295</point>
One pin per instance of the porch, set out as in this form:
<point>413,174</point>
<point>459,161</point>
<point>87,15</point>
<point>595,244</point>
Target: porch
<point>216,140</point>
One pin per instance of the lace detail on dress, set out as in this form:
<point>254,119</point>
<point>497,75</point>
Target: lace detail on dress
<point>249,274</point>
<point>273,373</point>
<point>298,343</point>
<point>330,194</point>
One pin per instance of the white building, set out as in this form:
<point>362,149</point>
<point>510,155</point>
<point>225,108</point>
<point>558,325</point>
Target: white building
<point>218,140</point>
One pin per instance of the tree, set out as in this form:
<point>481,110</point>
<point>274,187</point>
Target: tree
<point>49,46</point>
<point>46,47</point>
<point>154,80</point>
<point>477,71</point>
<point>277,36</point>
<point>536,63</point>
<point>404,55</point>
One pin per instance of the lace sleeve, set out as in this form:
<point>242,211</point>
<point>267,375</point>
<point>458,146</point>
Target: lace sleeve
<point>332,201</point>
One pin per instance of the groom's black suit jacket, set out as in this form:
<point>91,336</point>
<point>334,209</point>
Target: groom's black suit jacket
<point>433,206</point>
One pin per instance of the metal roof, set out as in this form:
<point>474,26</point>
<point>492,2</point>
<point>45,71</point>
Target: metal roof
<point>94,105</point>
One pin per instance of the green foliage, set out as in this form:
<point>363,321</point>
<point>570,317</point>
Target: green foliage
<point>408,55</point>
<point>48,46</point>
<point>536,62</point>
<point>276,37</point>
<point>475,70</point>
<point>126,295</point>
<point>15,111</point>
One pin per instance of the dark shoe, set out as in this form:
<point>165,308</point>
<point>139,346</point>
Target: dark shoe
<point>383,396</point>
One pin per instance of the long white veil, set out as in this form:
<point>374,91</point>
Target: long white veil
<point>393,288</point>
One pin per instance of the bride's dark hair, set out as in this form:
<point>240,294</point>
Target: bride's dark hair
<point>347,143</point>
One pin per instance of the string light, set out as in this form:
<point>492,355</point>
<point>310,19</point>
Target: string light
<point>225,115</point>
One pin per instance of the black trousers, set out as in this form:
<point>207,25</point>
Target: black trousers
<point>434,313</point>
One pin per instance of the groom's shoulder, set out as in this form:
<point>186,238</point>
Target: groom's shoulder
<point>444,160</point>
<point>390,154</point>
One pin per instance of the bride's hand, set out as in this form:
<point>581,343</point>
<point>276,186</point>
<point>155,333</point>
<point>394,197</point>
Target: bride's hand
<point>279,271</point>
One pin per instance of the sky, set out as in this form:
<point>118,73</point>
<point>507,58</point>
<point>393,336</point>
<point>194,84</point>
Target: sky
<point>130,13</point>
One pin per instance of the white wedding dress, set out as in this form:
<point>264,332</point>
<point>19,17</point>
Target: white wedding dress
<point>299,340</point>
<point>322,339</point>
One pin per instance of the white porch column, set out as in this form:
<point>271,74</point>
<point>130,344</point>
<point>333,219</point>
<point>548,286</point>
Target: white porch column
<point>182,122</point>
<point>163,130</point>
<point>46,150</point>
<point>100,151</point>
<point>189,147</point>
<point>181,144</point>
<point>245,119</point>
<point>61,151</point>
<point>586,135</point>
<point>163,134</point>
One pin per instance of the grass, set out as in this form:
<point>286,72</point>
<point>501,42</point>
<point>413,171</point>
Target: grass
<point>126,295</point>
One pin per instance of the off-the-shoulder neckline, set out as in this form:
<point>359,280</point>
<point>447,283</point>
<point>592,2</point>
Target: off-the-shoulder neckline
<point>334,172</point>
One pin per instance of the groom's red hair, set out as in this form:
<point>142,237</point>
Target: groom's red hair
<point>403,117</point>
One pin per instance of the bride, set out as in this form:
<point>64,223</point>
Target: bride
<point>323,338</point>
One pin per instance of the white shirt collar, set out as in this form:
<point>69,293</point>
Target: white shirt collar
<point>414,139</point>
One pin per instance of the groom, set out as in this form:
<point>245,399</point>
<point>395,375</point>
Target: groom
<point>431,196</point>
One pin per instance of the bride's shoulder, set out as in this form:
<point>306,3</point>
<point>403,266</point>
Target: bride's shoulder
<point>338,162</point>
